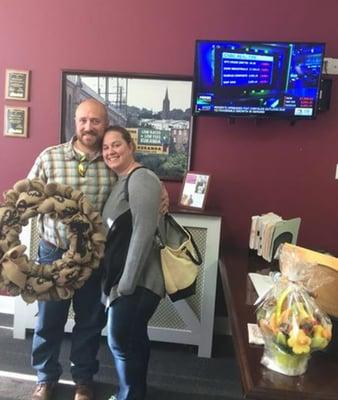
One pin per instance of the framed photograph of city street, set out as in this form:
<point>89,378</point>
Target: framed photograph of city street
<point>194,190</point>
<point>156,109</point>
<point>16,121</point>
<point>17,85</point>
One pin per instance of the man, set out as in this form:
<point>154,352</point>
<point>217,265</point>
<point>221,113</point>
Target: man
<point>77,163</point>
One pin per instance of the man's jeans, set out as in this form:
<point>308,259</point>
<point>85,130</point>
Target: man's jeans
<point>89,319</point>
<point>128,340</point>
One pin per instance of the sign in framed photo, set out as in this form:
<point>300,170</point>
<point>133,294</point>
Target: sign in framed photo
<point>194,190</point>
<point>17,85</point>
<point>16,121</point>
<point>156,109</point>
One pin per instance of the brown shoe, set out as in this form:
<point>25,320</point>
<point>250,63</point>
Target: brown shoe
<point>84,392</point>
<point>43,391</point>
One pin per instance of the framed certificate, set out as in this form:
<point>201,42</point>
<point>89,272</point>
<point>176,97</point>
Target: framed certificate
<point>194,190</point>
<point>16,121</point>
<point>17,85</point>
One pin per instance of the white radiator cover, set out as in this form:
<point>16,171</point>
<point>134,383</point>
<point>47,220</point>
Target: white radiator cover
<point>189,321</point>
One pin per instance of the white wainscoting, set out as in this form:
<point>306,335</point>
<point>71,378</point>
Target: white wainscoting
<point>7,304</point>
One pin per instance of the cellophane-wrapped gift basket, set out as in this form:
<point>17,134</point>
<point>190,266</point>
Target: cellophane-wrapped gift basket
<point>291,315</point>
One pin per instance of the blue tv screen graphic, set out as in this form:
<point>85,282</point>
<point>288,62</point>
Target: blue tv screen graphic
<point>257,79</point>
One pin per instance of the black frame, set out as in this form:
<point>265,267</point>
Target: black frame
<point>170,129</point>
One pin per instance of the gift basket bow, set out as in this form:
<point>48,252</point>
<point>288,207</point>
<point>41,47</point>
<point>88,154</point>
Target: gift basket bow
<point>292,315</point>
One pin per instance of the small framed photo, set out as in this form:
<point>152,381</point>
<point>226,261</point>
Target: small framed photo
<point>16,121</point>
<point>194,190</point>
<point>17,85</point>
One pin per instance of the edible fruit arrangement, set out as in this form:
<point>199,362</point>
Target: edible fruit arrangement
<point>292,326</point>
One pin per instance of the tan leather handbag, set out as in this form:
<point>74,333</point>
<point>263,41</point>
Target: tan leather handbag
<point>180,258</point>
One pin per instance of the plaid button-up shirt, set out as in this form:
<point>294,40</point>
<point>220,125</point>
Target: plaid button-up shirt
<point>60,164</point>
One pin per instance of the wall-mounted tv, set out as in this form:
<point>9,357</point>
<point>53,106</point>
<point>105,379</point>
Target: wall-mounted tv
<point>257,79</point>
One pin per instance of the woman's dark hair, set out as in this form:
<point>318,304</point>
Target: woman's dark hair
<point>126,136</point>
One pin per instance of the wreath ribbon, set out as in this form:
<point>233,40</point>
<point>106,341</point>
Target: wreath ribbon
<point>21,276</point>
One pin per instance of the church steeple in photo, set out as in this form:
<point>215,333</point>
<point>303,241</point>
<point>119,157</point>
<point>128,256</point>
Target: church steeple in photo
<point>166,106</point>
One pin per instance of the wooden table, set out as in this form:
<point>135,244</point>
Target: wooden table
<point>321,378</point>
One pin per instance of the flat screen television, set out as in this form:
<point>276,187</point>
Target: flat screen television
<point>257,79</point>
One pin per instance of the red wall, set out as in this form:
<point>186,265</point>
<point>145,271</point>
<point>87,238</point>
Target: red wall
<point>271,166</point>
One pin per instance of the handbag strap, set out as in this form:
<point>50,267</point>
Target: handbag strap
<point>171,220</point>
<point>126,193</point>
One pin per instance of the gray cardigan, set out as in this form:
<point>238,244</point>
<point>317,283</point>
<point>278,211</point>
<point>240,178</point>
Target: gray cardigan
<point>142,267</point>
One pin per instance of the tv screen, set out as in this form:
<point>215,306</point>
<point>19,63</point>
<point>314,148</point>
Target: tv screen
<point>257,79</point>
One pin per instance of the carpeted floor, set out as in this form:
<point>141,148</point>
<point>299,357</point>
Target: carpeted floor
<point>175,371</point>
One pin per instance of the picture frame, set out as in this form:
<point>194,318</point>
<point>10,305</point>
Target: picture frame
<point>194,190</point>
<point>156,109</point>
<point>17,84</point>
<point>16,121</point>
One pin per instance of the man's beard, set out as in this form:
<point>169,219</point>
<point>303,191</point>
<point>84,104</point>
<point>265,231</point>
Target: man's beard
<point>98,141</point>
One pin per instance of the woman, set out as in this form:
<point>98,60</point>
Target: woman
<point>132,285</point>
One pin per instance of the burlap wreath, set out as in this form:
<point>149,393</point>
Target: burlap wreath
<point>21,276</point>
